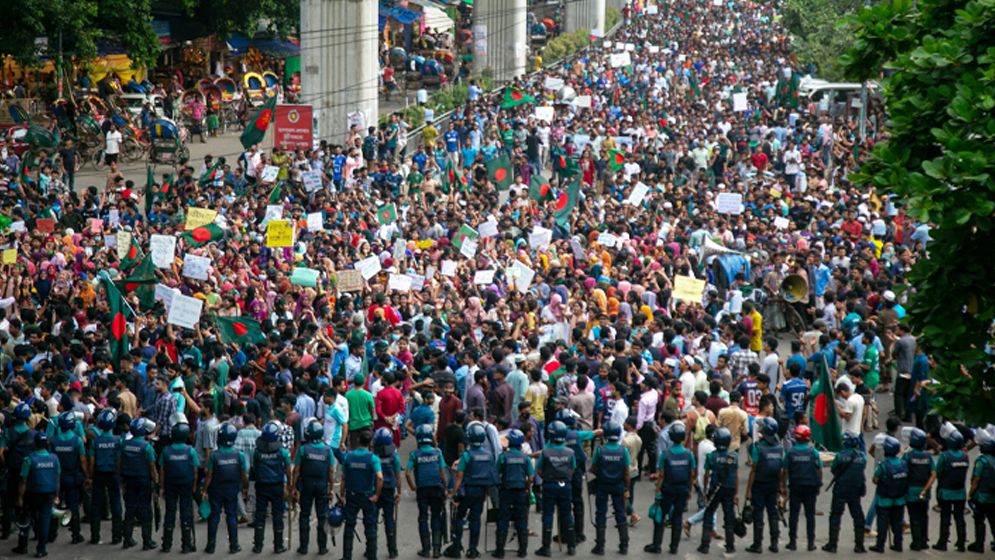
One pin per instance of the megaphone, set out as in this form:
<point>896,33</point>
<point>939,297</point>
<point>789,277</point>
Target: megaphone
<point>711,248</point>
<point>62,517</point>
<point>794,287</point>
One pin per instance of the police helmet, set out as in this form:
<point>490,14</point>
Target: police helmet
<point>986,444</point>
<point>917,439</point>
<point>891,446</point>
<point>567,417</point>
<point>851,440</point>
<point>678,432</point>
<point>423,434</point>
<point>180,433</point>
<point>722,439</point>
<point>67,421</point>
<point>803,433</point>
<point>955,441</point>
<point>107,419</point>
<point>613,432</point>
<point>516,438</point>
<point>335,516</point>
<point>227,434</point>
<point>383,437</point>
<point>41,440</point>
<point>22,412</point>
<point>768,428</point>
<point>271,432</point>
<point>476,434</point>
<point>558,432</point>
<point>314,430</point>
<point>138,427</point>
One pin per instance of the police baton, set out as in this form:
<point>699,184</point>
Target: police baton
<point>156,507</point>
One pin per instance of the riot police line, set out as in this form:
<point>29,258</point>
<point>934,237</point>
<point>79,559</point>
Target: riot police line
<point>45,467</point>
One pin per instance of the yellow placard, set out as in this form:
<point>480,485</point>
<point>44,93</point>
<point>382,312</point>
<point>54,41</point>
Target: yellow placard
<point>197,217</point>
<point>688,289</point>
<point>280,233</point>
<point>9,256</point>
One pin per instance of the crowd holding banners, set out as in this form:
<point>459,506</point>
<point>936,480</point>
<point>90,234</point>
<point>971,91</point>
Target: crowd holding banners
<point>568,305</point>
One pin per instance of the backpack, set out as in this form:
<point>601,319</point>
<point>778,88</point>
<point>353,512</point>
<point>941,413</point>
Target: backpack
<point>700,425</point>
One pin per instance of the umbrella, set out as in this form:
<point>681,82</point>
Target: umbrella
<point>40,136</point>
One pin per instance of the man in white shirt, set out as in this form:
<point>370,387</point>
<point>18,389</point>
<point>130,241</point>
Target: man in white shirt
<point>112,145</point>
<point>850,407</point>
<point>688,382</point>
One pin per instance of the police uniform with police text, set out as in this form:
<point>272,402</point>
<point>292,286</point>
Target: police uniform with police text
<point>983,495</point>
<point>677,467</point>
<point>892,476</point>
<point>515,472</point>
<point>722,466</point>
<point>804,477</point>
<point>40,473</point>
<point>359,472</point>
<point>269,471</point>
<point>137,463</point>
<point>479,474</point>
<point>951,475</point>
<point>386,505</point>
<point>426,467</point>
<point>106,488</point>
<point>18,442</point>
<point>610,466</point>
<point>850,486</point>
<point>556,465</point>
<point>575,440</point>
<point>768,459</point>
<point>314,462</point>
<point>179,463</point>
<point>69,448</point>
<point>226,466</point>
<point>919,463</point>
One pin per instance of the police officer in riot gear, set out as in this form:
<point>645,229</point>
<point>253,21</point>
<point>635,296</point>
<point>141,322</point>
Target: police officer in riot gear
<point>18,443</point>
<point>803,475</point>
<point>982,493</point>
<point>723,483</point>
<point>849,486</point>
<point>426,474</point>
<point>951,472</point>
<point>515,472</point>
<point>556,465</point>
<point>919,462</point>
<point>227,470</point>
<point>103,454</point>
<point>892,479</point>
<point>390,463</point>
<point>610,466</point>
<point>38,486</point>
<point>676,470</point>
<point>137,462</point>
<point>271,472</point>
<point>177,472</point>
<point>767,457</point>
<point>475,474</point>
<point>312,484</point>
<point>575,440</point>
<point>362,481</point>
<point>68,447</point>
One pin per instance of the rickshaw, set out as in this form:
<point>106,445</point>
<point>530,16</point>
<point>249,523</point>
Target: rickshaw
<point>253,86</point>
<point>272,82</point>
<point>230,98</point>
<point>168,144</point>
<point>397,57</point>
<point>229,89</point>
<point>432,72</point>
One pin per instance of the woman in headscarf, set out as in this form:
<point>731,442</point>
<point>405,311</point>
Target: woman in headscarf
<point>554,312</point>
<point>474,312</point>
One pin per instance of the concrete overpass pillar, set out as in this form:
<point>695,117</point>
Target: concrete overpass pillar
<point>339,68</point>
<point>585,14</point>
<point>500,38</point>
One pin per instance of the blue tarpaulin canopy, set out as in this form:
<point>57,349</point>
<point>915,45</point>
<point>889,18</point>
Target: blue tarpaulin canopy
<point>273,46</point>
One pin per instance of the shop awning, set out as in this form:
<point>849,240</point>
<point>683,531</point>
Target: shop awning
<point>238,44</point>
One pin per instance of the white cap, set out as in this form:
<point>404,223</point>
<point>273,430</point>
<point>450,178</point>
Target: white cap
<point>888,295</point>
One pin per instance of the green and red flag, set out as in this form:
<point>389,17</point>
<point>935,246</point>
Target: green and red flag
<point>212,174</point>
<point>274,195</point>
<point>117,325</point>
<point>822,412</point>
<point>514,97</point>
<point>539,189</point>
<point>616,160</point>
<point>566,203</point>
<point>256,128</point>
<point>452,178</point>
<point>464,232</point>
<point>203,235</point>
<point>499,172</point>
<point>142,282</point>
<point>243,330</point>
<point>133,255</point>
<point>387,214</point>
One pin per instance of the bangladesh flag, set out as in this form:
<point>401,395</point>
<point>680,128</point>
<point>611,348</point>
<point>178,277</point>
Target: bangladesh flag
<point>539,189</point>
<point>243,330</point>
<point>565,166</point>
<point>616,160</point>
<point>211,175</point>
<point>142,282</point>
<point>274,195</point>
<point>387,214</point>
<point>514,97</point>
<point>134,255</point>
<point>822,412</point>
<point>464,232</point>
<point>203,235</point>
<point>566,203</point>
<point>168,188</point>
<point>256,128</point>
<point>499,172</point>
<point>117,325</point>
<point>453,178</point>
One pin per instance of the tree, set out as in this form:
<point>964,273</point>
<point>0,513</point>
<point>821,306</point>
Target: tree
<point>938,162</point>
<point>819,35</point>
<point>222,17</point>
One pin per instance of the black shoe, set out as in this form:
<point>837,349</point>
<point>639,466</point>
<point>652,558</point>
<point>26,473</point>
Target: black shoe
<point>279,548</point>
<point>791,546</point>
<point>322,550</point>
<point>876,548</point>
<point>580,538</point>
<point>811,546</point>
<point>829,547</point>
<point>77,539</point>
<point>425,553</point>
<point>234,548</point>
<point>151,545</point>
<point>542,551</point>
<point>773,548</point>
<point>673,550</point>
<point>703,549</point>
<point>859,549</point>
<point>651,548</point>
<point>302,550</point>
<point>116,541</point>
<point>472,553</point>
<point>129,543</point>
<point>257,548</point>
<point>730,549</point>
<point>960,548</point>
<point>976,547</point>
<point>41,554</point>
<point>19,550</point>
<point>94,540</point>
<point>895,548</point>
<point>209,549</point>
<point>942,547</point>
<point>755,548</point>
<point>453,551</point>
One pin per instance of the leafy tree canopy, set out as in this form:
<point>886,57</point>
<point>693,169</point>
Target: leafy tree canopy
<point>939,161</point>
<point>820,32</point>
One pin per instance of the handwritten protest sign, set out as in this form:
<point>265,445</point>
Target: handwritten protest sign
<point>280,233</point>
<point>163,250</point>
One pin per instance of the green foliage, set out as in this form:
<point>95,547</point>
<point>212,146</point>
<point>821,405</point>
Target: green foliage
<point>225,16</point>
<point>612,16</point>
<point>565,45</point>
<point>820,32</point>
<point>939,163</point>
<point>82,23</point>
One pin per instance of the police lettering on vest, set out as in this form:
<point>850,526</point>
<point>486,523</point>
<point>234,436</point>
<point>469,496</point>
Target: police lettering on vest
<point>227,467</point>
<point>427,468</point>
<point>802,469</point>
<point>724,471</point>
<point>919,464</point>
<point>178,465</point>
<point>67,450</point>
<point>134,460</point>
<point>851,477</point>
<point>268,467</point>
<point>611,465</point>
<point>105,452</point>
<point>954,472</point>
<point>895,484</point>
<point>314,461</point>
<point>676,468</point>
<point>360,476</point>
<point>514,470</point>
<point>769,464</point>
<point>43,478</point>
<point>480,470</point>
<point>557,464</point>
